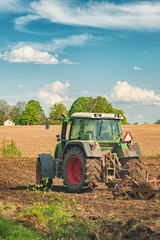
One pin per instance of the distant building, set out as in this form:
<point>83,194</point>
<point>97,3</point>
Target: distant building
<point>8,123</point>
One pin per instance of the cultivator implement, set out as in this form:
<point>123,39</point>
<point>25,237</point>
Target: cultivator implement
<point>142,190</point>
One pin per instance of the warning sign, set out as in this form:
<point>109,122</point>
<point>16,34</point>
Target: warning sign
<point>128,137</point>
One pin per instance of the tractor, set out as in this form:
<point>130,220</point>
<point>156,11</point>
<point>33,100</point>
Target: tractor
<point>95,151</point>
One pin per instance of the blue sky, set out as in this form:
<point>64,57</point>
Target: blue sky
<point>58,50</point>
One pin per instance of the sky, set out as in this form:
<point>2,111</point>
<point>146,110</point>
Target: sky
<point>59,50</point>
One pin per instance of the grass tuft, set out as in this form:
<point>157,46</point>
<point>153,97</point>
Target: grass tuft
<point>12,231</point>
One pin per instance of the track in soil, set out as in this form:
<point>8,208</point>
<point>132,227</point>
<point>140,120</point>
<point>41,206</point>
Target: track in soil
<point>16,173</point>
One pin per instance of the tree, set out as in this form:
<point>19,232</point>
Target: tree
<point>56,111</point>
<point>21,106</point>
<point>33,114</point>
<point>30,115</point>
<point>36,105</point>
<point>89,104</point>
<point>2,117</point>
<point>41,114</point>
<point>119,111</point>
<point>79,105</point>
<point>157,122</point>
<point>16,111</point>
<point>14,115</point>
<point>5,109</point>
<point>102,105</point>
<point>98,105</point>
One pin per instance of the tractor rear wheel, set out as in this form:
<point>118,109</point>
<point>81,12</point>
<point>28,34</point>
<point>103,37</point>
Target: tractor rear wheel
<point>40,181</point>
<point>79,172</point>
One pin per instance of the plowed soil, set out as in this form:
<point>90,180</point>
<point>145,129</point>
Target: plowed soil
<point>16,173</point>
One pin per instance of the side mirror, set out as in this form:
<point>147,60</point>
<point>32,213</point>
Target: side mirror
<point>58,137</point>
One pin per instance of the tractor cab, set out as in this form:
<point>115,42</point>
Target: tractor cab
<point>92,126</point>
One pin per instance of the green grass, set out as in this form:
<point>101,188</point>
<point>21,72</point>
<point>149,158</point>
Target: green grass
<point>12,231</point>
<point>156,155</point>
<point>53,215</point>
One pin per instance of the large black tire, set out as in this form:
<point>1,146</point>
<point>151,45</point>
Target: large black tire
<point>79,172</point>
<point>44,183</point>
<point>136,170</point>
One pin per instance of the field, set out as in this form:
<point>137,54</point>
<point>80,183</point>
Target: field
<point>100,204</point>
<point>32,140</point>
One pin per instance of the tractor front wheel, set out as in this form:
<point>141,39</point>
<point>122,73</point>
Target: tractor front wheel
<point>79,172</point>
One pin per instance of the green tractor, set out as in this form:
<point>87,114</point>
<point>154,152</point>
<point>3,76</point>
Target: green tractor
<point>95,151</point>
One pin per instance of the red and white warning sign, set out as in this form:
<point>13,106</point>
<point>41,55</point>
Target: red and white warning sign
<point>128,137</point>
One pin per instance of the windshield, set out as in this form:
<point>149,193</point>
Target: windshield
<point>101,129</point>
<point>107,129</point>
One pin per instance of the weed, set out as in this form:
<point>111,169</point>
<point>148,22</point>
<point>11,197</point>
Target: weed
<point>52,151</point>
<point>9,206</point>
<point>10,150</point>
<point>53,215</point>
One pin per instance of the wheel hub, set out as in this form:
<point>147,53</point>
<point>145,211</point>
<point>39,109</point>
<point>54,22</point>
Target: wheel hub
<point>74,170</point>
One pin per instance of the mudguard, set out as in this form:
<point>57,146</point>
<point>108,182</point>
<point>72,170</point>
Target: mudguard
<point>87,148</point>
<point>133,150</point>
<point>47,166</point>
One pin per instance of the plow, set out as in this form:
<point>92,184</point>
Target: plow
<point>96,151</point>
<point>142,190</point>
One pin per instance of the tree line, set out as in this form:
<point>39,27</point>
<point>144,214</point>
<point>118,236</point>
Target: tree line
<point>32,113</point>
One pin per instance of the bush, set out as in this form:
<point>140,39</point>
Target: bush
<point>10,150</point>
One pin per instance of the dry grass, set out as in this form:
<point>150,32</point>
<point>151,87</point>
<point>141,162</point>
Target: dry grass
<point>32,140</point>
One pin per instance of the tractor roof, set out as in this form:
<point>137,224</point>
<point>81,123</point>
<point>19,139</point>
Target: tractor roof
<point>96,115</point>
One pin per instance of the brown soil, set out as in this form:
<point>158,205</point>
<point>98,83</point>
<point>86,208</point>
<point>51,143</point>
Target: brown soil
<point>16,173</point>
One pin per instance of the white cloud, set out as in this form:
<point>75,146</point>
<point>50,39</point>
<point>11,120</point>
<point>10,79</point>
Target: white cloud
<point>21,86</point>
<point>57,45</point>
<point>136,15</point>
<point>11,6</point>
<point>28,54</point>
<point>45,53</point>
<point>137,68</point>
<point>73,40</point>
<point>55,92</point>
<point>66,61</point>
<point>21,22</point>
<point>123,92</point>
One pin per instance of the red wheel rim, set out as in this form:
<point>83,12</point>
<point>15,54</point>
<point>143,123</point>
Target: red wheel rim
<point>38,174</point>
<point>74,170</point>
